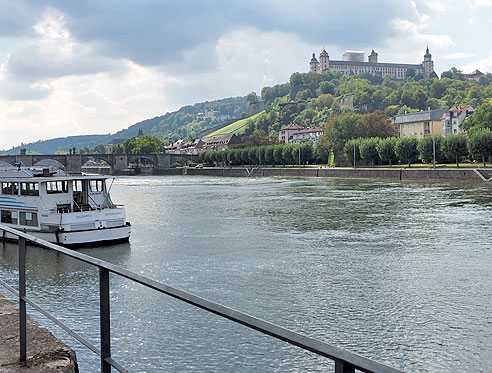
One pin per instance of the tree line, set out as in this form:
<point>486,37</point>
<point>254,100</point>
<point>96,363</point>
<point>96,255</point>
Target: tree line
<point>391,150</point>
<point>279,154</point>
<point>371,151</point>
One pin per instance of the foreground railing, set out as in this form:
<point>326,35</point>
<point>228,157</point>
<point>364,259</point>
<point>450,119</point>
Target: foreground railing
<point>345,361</point>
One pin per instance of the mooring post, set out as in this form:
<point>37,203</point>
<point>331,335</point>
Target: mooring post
<point>104,317</point>
<point>22,302</point>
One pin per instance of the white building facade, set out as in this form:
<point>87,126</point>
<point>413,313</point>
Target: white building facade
<point>452,120</point>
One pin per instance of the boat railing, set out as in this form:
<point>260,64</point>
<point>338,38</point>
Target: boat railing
<point>345,361</point>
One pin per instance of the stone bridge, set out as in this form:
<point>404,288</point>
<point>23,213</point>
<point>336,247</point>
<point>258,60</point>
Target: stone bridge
<point>117,162</point>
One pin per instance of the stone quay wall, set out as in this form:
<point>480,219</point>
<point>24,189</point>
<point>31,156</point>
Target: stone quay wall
<point>395,173</point>
<point>45,353</point>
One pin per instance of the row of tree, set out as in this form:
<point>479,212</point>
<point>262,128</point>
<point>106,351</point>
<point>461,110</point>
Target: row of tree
<point>280,154</point>
<point>453,148</point>
<point>374,151</point>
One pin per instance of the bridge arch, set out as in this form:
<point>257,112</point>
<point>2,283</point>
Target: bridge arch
<point>147,159</point>
<point>97,157</point>
<point>41,159</point>
<point>49,162</point>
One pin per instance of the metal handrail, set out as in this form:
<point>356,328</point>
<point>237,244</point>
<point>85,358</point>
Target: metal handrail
<point>345,361</point>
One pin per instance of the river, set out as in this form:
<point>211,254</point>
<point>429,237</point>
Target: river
<point>397,272</point>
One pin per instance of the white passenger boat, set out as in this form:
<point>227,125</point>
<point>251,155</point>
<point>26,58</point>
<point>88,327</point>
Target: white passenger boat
<point>60,208</point>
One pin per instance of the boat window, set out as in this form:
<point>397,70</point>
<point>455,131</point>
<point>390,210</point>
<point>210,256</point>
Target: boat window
<point>10,188</point>
<point>29,219</point>
<point>9,217</point>
<point>56,187</point>
<point>77,185</point>
<point>96,185</point>
<point>29,189</point>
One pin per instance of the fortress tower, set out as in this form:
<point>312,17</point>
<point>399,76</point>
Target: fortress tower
<point>314,64</point>
<point>324,60</point>
<point>373,57</point>
<point>428,64</point>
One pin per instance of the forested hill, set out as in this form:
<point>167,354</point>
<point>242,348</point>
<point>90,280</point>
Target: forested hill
<point>51,146</point>
<point>184,123</point>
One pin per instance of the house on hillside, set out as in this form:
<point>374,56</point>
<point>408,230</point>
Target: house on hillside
<point>286,132</point>
<point>452,120</point>
<point>312,134</point>
<point>475,75</point>
<point>419,123</point>
<point>221,142</point>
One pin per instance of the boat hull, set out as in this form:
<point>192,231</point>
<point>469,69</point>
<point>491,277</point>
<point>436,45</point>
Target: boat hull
<point>80,238</point>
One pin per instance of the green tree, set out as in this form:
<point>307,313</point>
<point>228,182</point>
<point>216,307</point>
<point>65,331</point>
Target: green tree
<point>326,87</point>
<point>100,149</point>
<point>386,149</point>
<point>148,145</point>
<point>253,155</point>
<point>410,73</point>
<point>481,119</point>
<point>84,150</point>
<point>118,149</point>
<point>287,154</point>
<point>296,80</point>
<point>130,145</point>
<point>454,147</point>
<point>321,152</point>
<point>302,152</point>
<point>245,155</point>
<point>368,150</point>
<point>480,144</point>
<point>304,94</point>
<point>278,154</point>
<point>252,98</point>
<point>269,157</point>
<point>425,148</point>
<point>406,149</point>
<point>351,149</point>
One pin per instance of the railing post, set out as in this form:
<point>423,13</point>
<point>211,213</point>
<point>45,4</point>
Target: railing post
<point>22,302</point>
<point>104,319</point>
<point>343,367</point>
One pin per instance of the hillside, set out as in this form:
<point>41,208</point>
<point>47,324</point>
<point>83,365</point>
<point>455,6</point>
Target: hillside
<point>184,123</point>
<point>237,127</point>
<point>60,143</point>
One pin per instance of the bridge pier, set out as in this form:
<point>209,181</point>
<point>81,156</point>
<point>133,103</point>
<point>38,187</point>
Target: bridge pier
<point>120,162</point>
<point>73,164</point>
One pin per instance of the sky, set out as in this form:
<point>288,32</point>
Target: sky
<point>73,67</point>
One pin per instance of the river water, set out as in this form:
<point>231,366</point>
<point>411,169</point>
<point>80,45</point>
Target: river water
<point>398,272</point>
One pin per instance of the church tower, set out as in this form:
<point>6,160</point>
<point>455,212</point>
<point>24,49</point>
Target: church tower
<point>373,57</point>
<point>428,64</point>
<point>324,60</point>
<point>314,64</point>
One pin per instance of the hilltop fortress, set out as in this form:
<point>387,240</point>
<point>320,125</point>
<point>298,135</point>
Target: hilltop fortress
<point>353,64</point>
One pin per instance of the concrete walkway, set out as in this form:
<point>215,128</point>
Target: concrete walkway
<point>45,353</point>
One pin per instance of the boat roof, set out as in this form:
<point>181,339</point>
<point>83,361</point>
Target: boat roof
<point>24,174</point>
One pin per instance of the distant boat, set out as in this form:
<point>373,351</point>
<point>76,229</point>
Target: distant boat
<point>63,209</point>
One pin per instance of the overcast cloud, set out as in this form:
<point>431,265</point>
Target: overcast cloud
<point>81,67</point>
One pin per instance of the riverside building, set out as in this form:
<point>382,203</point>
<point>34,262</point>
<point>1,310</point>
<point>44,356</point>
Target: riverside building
<point>353,64</point>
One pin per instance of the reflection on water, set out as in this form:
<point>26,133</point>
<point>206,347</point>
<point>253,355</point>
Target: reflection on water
<point>398,272</point>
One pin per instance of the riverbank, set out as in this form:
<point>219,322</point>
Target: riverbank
<point>474,175</point>
<point>45,353</point>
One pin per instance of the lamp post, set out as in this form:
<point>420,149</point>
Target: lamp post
<point>433,146</point>
<point>299,155</point>
<point>354,156</point>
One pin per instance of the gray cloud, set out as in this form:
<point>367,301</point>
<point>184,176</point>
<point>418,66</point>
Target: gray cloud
<point>153,32</point>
